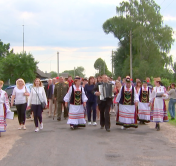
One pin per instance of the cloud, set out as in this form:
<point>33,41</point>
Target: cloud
<point>169,18</point>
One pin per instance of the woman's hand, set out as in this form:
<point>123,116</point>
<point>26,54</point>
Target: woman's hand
<point>84,104</point>
<point>136,104</point>
<point>26,94</point>
<point>66,104</point>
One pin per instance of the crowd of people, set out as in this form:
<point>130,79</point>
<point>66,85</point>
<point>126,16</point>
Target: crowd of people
<point>81,98</point>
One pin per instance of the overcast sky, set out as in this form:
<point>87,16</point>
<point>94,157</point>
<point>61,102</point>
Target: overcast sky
<point>72,27</point>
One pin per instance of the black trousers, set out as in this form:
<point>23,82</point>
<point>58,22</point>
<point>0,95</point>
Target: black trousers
<point>37,110</point>
<point>91,106</point>
<point>104,108</point>
<point>21,111</point>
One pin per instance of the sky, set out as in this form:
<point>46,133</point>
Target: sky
<point>71,27</point>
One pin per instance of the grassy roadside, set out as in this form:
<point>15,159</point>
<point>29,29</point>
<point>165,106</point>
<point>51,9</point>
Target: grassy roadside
<point>172,122</point>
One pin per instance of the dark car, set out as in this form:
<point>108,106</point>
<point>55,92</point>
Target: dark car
<point>9,91</point>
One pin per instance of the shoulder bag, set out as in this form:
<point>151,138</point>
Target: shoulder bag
<point>43,104</point>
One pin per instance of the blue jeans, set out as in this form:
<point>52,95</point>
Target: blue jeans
<point>172,107</point>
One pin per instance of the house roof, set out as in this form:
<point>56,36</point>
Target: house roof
<point>41,74</point>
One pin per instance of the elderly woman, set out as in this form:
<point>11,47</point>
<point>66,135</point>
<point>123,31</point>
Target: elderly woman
<point>4,108</point>
<point>20,95</point>
<point>77,98</point>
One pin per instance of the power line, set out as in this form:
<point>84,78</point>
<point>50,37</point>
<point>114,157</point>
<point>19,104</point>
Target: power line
<point>167,6</point>
<point>47,58</point>
<point>162,3</point>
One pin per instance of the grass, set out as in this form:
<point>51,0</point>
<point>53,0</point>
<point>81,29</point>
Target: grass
<point>172,122</point>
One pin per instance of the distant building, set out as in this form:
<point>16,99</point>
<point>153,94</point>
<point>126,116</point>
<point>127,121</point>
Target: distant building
<point>40,74</point>
<point>65,75</point>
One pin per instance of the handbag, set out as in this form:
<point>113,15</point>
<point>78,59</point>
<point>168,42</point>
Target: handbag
<point>43,104</point>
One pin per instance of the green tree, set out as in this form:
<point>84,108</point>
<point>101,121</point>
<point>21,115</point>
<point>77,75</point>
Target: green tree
<point>101,66</point>
<point>79,71</point>
<point>53,74</point>
<point>4,49</point>
<point>16,66</point>
<point>151,39</point>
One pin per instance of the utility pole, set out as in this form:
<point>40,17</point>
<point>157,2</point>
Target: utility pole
<point>23,39</point>
<point>112,62</point>
<point>104,66</point>
<point>74,72</point>
<point>131,67</point>
<point>57,63</point>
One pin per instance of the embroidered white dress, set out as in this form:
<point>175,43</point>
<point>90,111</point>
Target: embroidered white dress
<point>4,110</point>
<point>126,112</point>
<point>159,112</point>
<point>76,112</point>
<point>144,108</point>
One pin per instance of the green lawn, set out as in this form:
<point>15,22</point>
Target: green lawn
<point>172,122</point>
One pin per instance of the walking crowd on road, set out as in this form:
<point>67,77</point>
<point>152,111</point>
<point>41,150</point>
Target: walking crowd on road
<point>90,99</point>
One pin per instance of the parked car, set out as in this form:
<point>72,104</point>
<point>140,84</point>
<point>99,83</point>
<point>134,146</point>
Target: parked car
<point>9,91</point>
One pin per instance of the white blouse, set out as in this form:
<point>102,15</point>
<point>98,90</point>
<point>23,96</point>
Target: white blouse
<point>159,91</point>
<point>37,99</point>
<point>19,95</point>
<point>136,96</point>
<point>150,93</point>
<point>68,95</point>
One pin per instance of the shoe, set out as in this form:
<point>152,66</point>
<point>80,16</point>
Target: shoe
<point>59,119</point>
<point>36,129</point>
<point>108,130</point>
<point>94,123</point>
<point>102,127</point>
<point>41,126</point>
<point>89,123</point>
<point>24,127</point>
<point>20,127</point>
<point>123,128</point>
<point>158,127</point>
<point>72,127</point>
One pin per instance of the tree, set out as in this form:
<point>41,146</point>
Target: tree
<point>79,71</point>
<point>16,66</point>
<point>53,74</point>
<point>101,66</point>
<point>4,49</point>
<point>151,40</point>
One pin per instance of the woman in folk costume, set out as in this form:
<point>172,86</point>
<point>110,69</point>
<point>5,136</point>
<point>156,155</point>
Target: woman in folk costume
<point>128,100</point>
<point>4,108</point>
<point>158,109</point>
<point>77,98</point>
<point>144,103</point>
<point>118,86</point>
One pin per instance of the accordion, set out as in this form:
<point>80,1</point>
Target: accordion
<point>106,90</point>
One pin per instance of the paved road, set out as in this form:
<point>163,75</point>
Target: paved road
<point>57,145</point>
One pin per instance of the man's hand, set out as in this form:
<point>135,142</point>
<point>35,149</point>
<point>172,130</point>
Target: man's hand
<point>97,93</point>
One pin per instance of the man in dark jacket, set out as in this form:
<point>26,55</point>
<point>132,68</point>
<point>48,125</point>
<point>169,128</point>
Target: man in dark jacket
<point>104,105</point>
<point>50,96</point>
